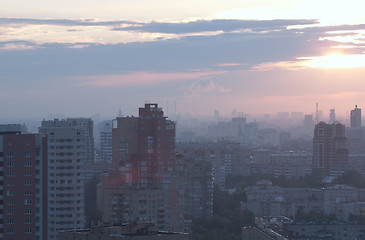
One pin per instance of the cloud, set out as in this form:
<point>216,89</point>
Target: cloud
<point>142,78</point>
<point>62,22</point>
<point>159,58</point>
<point>227,64</point>
<point>203,86</point>
<point>225,25</point>
<point>17,46</point>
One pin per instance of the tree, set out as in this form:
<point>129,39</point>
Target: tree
<point>93,215</point>
<point>228,218</point>
<point>352,178</point>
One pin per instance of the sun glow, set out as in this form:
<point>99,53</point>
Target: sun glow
<point>335,61</point>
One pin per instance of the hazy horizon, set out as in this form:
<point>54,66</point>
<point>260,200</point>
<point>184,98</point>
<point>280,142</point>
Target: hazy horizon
<point>81,58</point>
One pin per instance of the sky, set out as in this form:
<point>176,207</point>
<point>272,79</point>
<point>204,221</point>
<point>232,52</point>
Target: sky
<point>84,57</point>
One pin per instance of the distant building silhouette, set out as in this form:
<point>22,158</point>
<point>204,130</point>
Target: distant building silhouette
<point>330,153</point>
<point>284,139</point>
<point>332,116</point>
<point>356,117</point>
<point>317,114</point>
<point>308,123</point>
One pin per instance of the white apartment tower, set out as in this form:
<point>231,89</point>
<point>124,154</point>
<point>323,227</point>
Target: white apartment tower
<point>356,117</point>
<point>106,141</point>
<point>70,147</point>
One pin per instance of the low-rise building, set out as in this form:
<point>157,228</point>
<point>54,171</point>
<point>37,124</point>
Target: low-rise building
<point>288,163</point>
<point>267,200</point>
<point>254,233</point>
<point>325,231</point>
<point>129,231</point>
<point>338,200</point>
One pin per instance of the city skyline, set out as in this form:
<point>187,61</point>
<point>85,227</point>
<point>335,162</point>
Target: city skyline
<point>81,58</point>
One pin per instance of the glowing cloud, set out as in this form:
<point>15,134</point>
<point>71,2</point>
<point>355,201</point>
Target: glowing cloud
<point>325,62</point>
<point>335,61</point>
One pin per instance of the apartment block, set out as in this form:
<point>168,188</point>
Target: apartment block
<point>23,198</point>
<point>70,147</point>
<point>198,190</point>
<point>330,151</point>
<point>144,159</point>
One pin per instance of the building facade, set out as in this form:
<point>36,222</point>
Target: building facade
<point>355,116</point>
<point>129,231</point>
<point>198,190</point>
<point>70,147</point>
<point>330,151</point>
<point>23,159</point>
<point>105,153</point>
<point>144,159</point>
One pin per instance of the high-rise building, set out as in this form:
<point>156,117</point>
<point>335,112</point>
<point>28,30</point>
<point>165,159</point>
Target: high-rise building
<point>144,159</point>
<point>308,122</point>
<point>105,153</point>
<point>70,147</point>
<point>355,117</point>
<point>198,190</point>
<point>332,116</point>
<point>330,153</point>
<point>23,196</point>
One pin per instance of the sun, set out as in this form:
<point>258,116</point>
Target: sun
<point>334,61</point>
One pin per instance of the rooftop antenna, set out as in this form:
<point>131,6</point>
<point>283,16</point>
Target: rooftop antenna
<point>120,112</point>
<point>167,107</point>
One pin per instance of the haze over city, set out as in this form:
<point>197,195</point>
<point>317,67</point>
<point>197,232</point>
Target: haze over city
<point>85,57</point>
<point>182,120</point>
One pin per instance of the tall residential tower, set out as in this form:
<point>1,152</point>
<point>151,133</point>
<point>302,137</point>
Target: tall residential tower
<point>330,153</point>
<point>70,146</point>
<point>23,195</point>
<point>356,117</point>
<point>145,164</point>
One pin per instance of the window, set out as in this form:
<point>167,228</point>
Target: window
<point>9,230</point>
<point>10,163</point>
<point>28,154</point>
<point>9,173</point>
<point>10,221</point>
<point>27,201</point>
<point>27,211</point>
<point>9,182</point>
<point>27,182</point>
<point>10,202</point>
<point>28,173</point>
<point>10,154</point>
<point>27,192</point>
<point>27,163</point>
<point>10,211</point>
<point>10,192</point>
<point>28,230</point>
